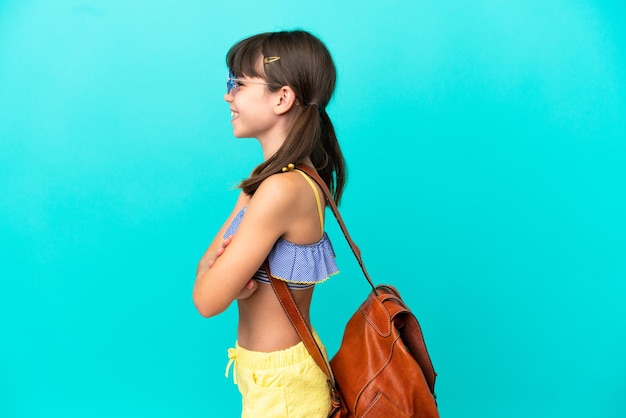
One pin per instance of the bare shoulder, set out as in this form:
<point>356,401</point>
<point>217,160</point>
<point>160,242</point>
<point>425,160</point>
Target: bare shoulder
<point>282,189</point>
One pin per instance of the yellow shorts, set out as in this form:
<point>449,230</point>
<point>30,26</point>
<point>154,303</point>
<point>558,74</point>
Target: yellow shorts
<point>285,383</point>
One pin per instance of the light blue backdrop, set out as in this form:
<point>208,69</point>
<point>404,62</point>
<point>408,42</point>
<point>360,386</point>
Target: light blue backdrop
<point>486,148</point>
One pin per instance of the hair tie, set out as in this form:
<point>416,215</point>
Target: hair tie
<point>320,110</point>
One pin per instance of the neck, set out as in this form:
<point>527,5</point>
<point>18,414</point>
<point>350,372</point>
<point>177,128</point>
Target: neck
<point>273,139</point>
<point>270,147</point>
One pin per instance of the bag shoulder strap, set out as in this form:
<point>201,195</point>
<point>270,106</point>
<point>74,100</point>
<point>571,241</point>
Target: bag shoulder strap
<point>295,317</point>
<point>286,298</point>
<point>291,308</point>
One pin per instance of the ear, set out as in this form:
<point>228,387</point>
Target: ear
<point>286,99</point>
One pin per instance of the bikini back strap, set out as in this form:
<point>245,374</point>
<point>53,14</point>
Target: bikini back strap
<point>320,208</point>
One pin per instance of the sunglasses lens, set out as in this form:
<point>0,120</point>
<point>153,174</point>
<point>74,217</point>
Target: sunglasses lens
<point>230,83</point>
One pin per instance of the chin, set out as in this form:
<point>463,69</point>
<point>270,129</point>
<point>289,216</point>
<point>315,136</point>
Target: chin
<point>242,135</point>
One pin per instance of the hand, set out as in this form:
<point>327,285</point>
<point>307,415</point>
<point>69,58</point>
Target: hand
<point>252,284</point>
<point>248,289</point>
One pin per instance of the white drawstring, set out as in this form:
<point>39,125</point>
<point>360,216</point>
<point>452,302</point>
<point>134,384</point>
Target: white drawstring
<point>232,359</point>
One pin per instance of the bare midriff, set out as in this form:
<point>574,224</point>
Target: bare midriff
<point>264,325</point>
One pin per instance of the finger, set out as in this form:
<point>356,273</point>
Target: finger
<point>248,289</point>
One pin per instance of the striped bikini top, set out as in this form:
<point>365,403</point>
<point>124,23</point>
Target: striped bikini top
<point>300,265</point>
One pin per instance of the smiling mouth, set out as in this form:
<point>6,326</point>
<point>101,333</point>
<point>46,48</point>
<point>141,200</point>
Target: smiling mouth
<point>233,115</point>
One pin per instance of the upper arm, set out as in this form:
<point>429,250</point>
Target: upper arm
<point>267,218</point>
<point>211,250</point>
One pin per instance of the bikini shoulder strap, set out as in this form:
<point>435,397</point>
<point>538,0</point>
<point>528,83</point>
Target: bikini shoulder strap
<point>320,208</point>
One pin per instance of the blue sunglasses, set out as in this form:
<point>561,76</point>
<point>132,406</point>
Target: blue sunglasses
<point>231,82</point>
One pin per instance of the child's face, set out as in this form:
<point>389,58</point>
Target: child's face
<point>251,107</point>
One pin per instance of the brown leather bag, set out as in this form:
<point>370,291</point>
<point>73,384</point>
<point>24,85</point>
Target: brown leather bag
<point>382,368</point>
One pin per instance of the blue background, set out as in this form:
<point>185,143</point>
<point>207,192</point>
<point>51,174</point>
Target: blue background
<point>485,143</point>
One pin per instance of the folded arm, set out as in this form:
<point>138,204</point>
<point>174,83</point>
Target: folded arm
<point>225,270</point>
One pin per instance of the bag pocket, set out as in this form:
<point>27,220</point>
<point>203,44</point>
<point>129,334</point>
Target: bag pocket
<point>382,407</point>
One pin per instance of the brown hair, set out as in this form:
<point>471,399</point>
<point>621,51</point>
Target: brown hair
<point>307,67</point>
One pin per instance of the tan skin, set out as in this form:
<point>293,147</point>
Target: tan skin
<point>283,206</point>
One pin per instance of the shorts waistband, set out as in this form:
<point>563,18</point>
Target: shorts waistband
<point>275,359</point>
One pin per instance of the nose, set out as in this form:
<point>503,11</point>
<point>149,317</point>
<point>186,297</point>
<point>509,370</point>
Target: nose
<point>229,96</point>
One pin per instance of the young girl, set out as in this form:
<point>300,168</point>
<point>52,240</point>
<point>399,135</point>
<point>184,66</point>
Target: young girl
<point>278,87</point>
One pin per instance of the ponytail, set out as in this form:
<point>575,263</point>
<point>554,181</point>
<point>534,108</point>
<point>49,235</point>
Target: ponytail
<point>329,160</point>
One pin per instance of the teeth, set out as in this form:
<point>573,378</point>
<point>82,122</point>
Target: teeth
<point>233,114</point>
